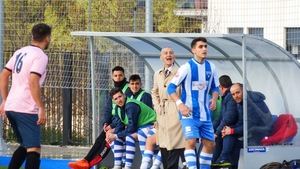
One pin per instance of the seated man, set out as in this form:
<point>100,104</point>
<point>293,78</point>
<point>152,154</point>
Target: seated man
<point>228,117</point>
<point>137,93</point>
<point>101,148</point>
<point>259,119</point>
<point>259,115</point>
<point>136,116</point>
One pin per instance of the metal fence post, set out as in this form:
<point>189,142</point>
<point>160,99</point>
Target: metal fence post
<point>245,117</point>
<point>3,146</point>
<point>149,16</point>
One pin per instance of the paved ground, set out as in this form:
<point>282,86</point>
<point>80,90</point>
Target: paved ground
<point>48,151</point>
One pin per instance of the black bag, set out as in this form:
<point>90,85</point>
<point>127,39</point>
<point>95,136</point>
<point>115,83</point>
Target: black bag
<point>276,165</point>
<point>272,165</point>
<point>294,164</point>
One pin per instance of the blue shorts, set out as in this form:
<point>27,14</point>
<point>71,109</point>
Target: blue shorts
<point>25,128</point>
<point>193,128</point>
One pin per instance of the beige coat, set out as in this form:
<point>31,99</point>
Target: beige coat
<point>169,127</point>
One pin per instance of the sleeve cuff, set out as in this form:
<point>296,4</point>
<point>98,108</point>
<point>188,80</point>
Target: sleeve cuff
<point>178,102</point>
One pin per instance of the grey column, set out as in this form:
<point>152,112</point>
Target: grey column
<point>149,16</point>
<point>245,130</point>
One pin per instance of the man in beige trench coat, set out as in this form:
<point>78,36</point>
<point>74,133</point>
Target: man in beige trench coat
<point>169,135</point>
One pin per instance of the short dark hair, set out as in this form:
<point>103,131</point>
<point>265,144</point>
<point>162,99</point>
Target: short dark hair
<point>225,81</point>
<point>202,39</point>
<point>118,68</point>
<point>40,31</point>
<point>114,91</point>
<point>135,77</point>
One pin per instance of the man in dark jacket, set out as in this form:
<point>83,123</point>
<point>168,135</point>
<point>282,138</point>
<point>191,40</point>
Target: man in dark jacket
<point>259,115</point>
<point>259,119</point>
<point>228,117</point>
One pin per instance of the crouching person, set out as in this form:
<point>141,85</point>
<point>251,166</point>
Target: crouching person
<point>138,119</point>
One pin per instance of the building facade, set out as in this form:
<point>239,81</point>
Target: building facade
<point>275,20</point>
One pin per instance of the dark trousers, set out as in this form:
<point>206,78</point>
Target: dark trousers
<point>218,149</point>
<point>99,150</point>
<point>228,149</point>
<point>236,154</point>
<point>170,159</point>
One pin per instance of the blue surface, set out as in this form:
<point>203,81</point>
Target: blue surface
<point>46,163</point>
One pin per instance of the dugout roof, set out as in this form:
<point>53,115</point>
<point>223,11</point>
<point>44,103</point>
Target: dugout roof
<point>269,68</point>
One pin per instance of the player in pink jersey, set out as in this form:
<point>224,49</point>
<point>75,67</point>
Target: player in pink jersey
<point>22,104</point>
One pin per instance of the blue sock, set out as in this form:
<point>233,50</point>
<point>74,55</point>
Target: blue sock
<point>205,160</point>
<point>190,157</point>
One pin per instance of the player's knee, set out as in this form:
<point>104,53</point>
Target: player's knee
<point>34,149</point>
<point>150,143</point>
<point>134,136</point>
<point>190,144</point>
<point>151,140</point>
<point>208,145</point>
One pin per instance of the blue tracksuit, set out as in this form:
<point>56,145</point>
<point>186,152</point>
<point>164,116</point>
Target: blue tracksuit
<point>228,117</point>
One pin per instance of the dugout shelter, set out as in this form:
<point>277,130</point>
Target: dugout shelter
<point>258,63</point>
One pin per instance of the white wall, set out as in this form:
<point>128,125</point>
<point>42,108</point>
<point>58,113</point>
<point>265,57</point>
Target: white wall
<point>272,15</point>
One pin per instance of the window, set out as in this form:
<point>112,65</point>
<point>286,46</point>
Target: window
<point>192,4</point>
<point>235,30</point>
<point>256,32</point>
<point>293,41</point>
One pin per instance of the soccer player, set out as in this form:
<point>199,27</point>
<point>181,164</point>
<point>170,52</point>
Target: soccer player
<point>135,85</point>
<point>135,116</point>
<point>101,148</point>
<point>137,93</point>
<point>23,104</point>
<point>197,79</point>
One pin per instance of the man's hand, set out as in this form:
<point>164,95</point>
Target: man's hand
<point>110,137</point>
<point>111,130</point>
<point>185,111</point>
<point>2,111</point>
<point>155,125</point>
<point>106,127</point>
<point>226,131</point>
<point>42,116</point>
<point>213,104</point>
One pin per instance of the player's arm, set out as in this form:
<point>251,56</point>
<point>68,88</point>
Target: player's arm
<point>147,99</point>
<point>214,90</point>
<point>107,113</point>
<point>4,80</point>
<point>35,90</point>
<point>214,99</point>
<point>132,111</point>
<point>175,82</point>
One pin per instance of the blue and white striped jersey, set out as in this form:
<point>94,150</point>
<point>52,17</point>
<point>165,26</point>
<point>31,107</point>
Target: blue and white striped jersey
<point>197,82</point>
